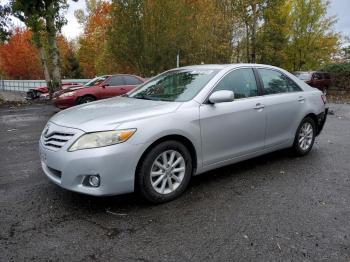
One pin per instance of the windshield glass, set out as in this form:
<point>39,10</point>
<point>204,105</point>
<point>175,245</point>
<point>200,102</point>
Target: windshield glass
<point>176,85</point>
<point>303,76</point>
<point>96,81</point>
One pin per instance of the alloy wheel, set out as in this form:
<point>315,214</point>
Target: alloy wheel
<point>167,172</point>
<point>305,136</point>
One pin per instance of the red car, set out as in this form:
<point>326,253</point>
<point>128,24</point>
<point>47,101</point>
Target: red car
<point>98,88</point>
<point>43,91</point>
<point>319,80</point>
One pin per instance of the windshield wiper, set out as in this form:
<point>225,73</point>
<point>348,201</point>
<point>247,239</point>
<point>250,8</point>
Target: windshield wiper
<point>142,96</point>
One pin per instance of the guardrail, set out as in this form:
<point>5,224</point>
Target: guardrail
<point>25,85</point>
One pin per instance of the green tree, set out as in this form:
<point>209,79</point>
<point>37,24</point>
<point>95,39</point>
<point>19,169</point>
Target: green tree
<point>5,10</point>
<point>45,19</point>
<point>273,36</point>
<point>148,35</point>
<point>312,39</point>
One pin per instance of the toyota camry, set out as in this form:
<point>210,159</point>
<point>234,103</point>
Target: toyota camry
<point>178,124</point>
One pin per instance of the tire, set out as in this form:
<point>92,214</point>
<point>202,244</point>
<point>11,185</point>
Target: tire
<point>157,188</point>
<point>86,99</point>
<point>325,89</point>
<point>305,137</point>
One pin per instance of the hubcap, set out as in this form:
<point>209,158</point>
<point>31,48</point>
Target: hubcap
<point>167,172</point>
<point>305,136</point>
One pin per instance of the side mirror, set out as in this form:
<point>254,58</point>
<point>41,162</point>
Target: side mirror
<point>104,86</point>
<point>221,96</point>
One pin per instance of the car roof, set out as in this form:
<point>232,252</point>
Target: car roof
<point>225,66</point>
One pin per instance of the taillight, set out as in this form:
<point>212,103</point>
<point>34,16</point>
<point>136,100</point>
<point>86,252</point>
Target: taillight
<point>324,98</point>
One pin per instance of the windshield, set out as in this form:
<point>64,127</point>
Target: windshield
<point>303,76</point>
<point>96,81</point>
<point>177,85</point>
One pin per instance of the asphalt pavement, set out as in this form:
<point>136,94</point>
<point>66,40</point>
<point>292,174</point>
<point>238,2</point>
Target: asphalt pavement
<point>272,208</point>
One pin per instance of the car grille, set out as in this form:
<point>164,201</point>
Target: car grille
<point>55,137</point>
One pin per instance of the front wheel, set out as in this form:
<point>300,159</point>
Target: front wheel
<point>305,136</point>
<point>165,172</point>
<point>86,99</point>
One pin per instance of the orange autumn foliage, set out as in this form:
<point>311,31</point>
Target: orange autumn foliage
<point>93,55</point>
<point>18,58</point>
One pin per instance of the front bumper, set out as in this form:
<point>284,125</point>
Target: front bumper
<point>64,102</point>
<point>114,164</point>
<point>321,120</point>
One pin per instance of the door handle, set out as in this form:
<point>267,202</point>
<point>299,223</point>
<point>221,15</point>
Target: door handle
<point>259,106</point>
<point>301,99</point>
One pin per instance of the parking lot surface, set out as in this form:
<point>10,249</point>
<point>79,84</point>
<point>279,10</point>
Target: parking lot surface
<point>271,208</point>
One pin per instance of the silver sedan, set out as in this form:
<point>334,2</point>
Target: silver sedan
<point>180,123</point>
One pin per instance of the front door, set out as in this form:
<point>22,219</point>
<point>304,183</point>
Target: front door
<point>235,128</point>
<point>114,87</point>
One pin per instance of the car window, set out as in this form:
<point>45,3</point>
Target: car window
<point>241,82</point>
<point>116,81</point>
<point>275,82</point>
<point>318,76</point>
<point>327,76</point>
<point>96,81</point>
<point>303,76</point>
<point>131,80</point>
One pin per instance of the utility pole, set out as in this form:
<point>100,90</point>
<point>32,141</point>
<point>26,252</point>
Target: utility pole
<point>178,59</point>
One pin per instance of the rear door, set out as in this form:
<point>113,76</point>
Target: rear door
<point>284,105</point>
<point>234,128</point>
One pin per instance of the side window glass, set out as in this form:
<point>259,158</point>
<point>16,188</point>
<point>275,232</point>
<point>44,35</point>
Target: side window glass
<point>116,81</point>
<point>275,82</point>
<point>241,82</point>
<point>131,80</point>
<point>318,76</point>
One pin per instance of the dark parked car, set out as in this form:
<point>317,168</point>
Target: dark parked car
<point>320,80</point>
<point>98,88</point>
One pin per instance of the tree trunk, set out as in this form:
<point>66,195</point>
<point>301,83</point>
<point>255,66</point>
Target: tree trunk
<point>253,60</point>
<point>42,56</point>
<point>247,41</point>
<point>53,50</point>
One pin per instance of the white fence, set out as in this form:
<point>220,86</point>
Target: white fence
<point>25,85</point>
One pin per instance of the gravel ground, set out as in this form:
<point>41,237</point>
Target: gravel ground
<point>12,96</point>
<point>271,208</point>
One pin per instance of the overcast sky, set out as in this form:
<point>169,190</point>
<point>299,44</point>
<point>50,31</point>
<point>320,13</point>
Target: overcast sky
<point>340,8</point>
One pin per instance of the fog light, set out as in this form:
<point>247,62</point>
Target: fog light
<point>94,181</point>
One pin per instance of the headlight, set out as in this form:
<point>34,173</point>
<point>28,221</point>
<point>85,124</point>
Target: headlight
<point>100,139</point>
<point>67,94</point>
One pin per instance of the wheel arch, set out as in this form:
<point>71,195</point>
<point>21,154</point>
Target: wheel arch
<point>180,138</point>
<point>82,96</point>
<point>313,116</point>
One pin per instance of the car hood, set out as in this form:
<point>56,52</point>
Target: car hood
<point>109,113</point>
<point>66,89</point>
<point>71,87</point>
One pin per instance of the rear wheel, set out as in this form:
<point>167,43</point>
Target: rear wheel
<point>86,99</point>
<point>325,89</point>
<point>165,172</point>
<point>305,136</point>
